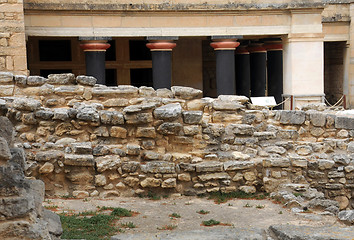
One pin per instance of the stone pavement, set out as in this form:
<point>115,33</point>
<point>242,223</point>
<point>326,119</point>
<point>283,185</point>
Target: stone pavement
<point>276,232</point>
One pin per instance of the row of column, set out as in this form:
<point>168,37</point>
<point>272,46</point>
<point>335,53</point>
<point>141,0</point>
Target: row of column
<point>251,66</point>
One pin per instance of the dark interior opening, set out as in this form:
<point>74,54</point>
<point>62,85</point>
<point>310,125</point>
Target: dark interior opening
<point>141,77</point>
<point>111,51</point>
<point>54,50</point>
<point>138,50</point>
<point>111,77</point>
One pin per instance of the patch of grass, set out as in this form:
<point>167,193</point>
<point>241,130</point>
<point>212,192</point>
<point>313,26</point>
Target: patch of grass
<point>211,222</point>
<point>203,212</point>
<point>88,213</point>
<point>220,197</point>
<point>97,227</point>
<point>128,225</point>
<point>153,196</point>
<point>165,196</point>
<point>296,194</point>
<point>260,206</point>
<point>167,227</point>
<point>280,212</point>
<point>51,207</point>
<point>69,196</point>
<point>175,215</point>
<point>247,205</point>
<point>121,212</point>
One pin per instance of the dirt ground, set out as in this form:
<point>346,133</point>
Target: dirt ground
<point>155,214</point>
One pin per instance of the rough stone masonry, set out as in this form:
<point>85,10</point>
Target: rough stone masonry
<point>85,139</point>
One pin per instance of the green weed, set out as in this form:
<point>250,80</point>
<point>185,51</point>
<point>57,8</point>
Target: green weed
<point>128,225</point>
<point>211,222</point>
<point>203,212</point>
<point>175,215</point>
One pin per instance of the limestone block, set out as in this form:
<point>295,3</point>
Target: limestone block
<point>133,149</point>
<point>184,177</point>
<point>29,118</point>
<point>158,167</point>
<point>335,174</point>
<point>151,182</point>
<point>238,165</point>
<point>111,193</point>
<point>250,176</point>
<point>237,177</point>
<point>146,132</point>
<point>5,153</point>
<point>26,104</point>
<point>239,129</point>
<point>168,112</point>
<point>44,113</point>
<point>101,131</point>
<point>276,162</point>
<point>275,149</point>
<point>214,129</point>
<point>15,207</point>
<point>264,135</point>
<point>240,156</point>
<point>347,216</point>
<point>233,98</point>
<point>350,147</point>
<point>245,141</point>
<point>192,130</point>
<point>169,183</point>
<point>316,131</point>
<point>304,150</point>
<point>36,81</point>
<point>317,119</point>
<point>192,117</point>
<point>6,130</point>
<point>61,114</point>
<point>345,122</point>
<point>82,148</point>
<point>100,180</point>
<point>187,167</point>
<point>197,104</point>
<point>131,181</point>
<point>299,162</point>
<point>46,168</point>
<point>226,105</point>
<point>87,113</point>
<point>80,177</point>
<point>81,194</point>
<point>49,156</point>
<point>247,189</point>
<point>211,166</point>
<point>186,93</point>
<point>116,102</point>
<point>121,91</point>
<point>334,186</point>
<point>183,140</point>
<point>6,77</point>
<point>288,134</point>
<point>118,132</point>
<point>151,156</point>
<point>214,176</point>
<point>44,90</point>
<point>130,166</point>
<point>138,118</point>
<point>147,92</point>
<point>343,133</point>
<point>111,117</point>
<point>322,203</point>
<point>109,162</point>
<point>343,159</point>
<point>61,79</point>
<point>69,90</point>
<point>101,150</point>
<point>86,80</point>
<point>140,107</point>
<point>79,160</point>
<point>292,117</point>
<point>170,128</point>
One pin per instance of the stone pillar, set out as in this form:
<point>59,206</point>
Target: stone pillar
<point>303,69</point>
<point>161,53</point>
<point>243,77</point>
<point>349,85</point>
<point>275,70</point>
<point>258,65</point>
<point>95,56</point>
<point>225,64</point>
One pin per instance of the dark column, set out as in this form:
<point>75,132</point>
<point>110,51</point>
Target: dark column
<point>161,53</point>
<point>258,61</point>
<point>95,54</point>
<point>243,78</point>
<point>225,65</point>
<point>275,71</point>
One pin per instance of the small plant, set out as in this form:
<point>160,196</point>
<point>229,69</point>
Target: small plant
<point>85,200</point>
<point>51,207</point>
<point>121,212</point>
<point>211,222</point>
<point>296,194</point>
<point>280,212</point>
<point>69,196</point>
<point>87,213</point>
<point>188,203</point>
<point>203,212</point>
<point>167,227</point>
<point>174,215</point>
<point>128,225</point>
<point>153,196</point>
<point>247,205</point>
<point>165,196</point>
<point>260,206</point>
<point>229,205</point>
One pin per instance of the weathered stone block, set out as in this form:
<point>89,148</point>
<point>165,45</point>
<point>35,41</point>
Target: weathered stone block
<point>325,164</point>
<point>350,147</point>
<point>79,160</point>
<point>317,119</point>
<point>211,166</point>
<point>170,128</point>
<point>146,132</point>
<point>6,130</point>
<point>147,92</point>
<point>26,104</point>
<point>87,113</point>
<point>264,135</point>
<point>82,148</point>
<point>69,90</point>
<point>346,122</point>
<point>21,80</point>
<point>214,129</point>
<point>169,183</point>
<point>247,189</point>
<point>275,149</point>
<point>239,129</point>
<point>138,118</point>
<point>101,131</point>
<point>46,168</point>
<point>299,162</point>
<point>100,180</point>
<point>192,130</point>
<point>276,162</point>
<point>184,177</point>
<point>5,153</point>
<point>186,93</point>
<point>36,81</point>
<point>61,114</point>
<point>151,156</point>
<point>133,149</point>
<point>116,102</point>
<point>292,117</point>
<point>151,182</point>
<point>288,134</point>
<point>109,162</point>
<point>347,216</point>
<point>226,105</point>
<point>140,107</point>
<point>86,80</point>
<point>304,150</point>
<point>61,79</point>
<point>192,117</point>
<point>122,91</point>
<point>118,132</point>
<point>44,113</point>
<point>6,77</point>
<point>214,176</point>
<point>168,112</point>
<point>158,167</point>
<point>238,165</point>
<point>6,90</point>
<point>47,156</point>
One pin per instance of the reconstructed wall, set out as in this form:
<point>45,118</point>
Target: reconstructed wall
<point>12,37</point>
<point>87,140</point>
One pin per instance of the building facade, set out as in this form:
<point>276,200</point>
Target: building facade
<point>301,52</point>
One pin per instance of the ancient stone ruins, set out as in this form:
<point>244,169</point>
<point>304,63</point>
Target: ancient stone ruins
<point>83,139</point>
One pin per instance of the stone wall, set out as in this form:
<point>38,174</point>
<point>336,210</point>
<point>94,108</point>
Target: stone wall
<point>85,140</point>
<point>21,213</point>
<point>12,37</point>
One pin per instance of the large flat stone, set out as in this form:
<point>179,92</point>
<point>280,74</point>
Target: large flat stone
<point>79,160</point>
<point>292,117</point>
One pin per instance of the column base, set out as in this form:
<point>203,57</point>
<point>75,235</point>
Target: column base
<point>294,102</point>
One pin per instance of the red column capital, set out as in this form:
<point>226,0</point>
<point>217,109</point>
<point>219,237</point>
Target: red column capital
<point>94,45</point>
<point>226,44</point>
<point>161,45</point>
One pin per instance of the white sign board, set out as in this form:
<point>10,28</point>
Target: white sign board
<point>263,101</point>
